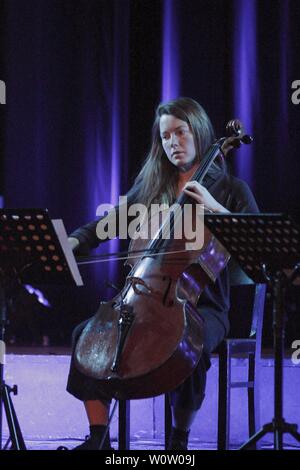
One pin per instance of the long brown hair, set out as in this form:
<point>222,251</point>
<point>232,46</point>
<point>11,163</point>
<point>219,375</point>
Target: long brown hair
<point>158,178</point>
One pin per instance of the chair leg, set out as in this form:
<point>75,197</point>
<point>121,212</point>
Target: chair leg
<point>224,398</point>
<point>251,404</point>
<point>168,420</point>
<point>124,425</point>
<point>253,399</point>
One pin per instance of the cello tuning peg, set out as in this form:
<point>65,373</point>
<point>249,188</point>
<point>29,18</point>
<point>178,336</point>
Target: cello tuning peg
<point>247,139</point>
<point>234,127</point>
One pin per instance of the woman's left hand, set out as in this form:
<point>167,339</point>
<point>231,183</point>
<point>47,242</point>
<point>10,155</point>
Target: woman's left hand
<point>202,196</point>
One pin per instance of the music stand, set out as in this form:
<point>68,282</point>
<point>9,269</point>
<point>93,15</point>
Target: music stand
<point>33,249</point>
<point>267,247</point>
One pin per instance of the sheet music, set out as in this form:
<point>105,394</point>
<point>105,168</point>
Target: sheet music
<point>66,247</point>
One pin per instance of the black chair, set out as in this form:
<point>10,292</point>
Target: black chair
<point>247,342</point>
<point>245,339</point>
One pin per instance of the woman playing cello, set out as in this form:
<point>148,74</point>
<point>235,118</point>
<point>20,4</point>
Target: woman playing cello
<point>182,133</point>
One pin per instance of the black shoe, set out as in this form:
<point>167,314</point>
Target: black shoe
<point>88,444</point>
<point>93,444</point>
<point>94,440</point>
<point>178,440</point>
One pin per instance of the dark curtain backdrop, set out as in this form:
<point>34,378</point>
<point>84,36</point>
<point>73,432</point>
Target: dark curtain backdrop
<point>2,107</point>
<point>83,79</point>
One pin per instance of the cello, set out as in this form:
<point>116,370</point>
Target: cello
<point>149,338</point>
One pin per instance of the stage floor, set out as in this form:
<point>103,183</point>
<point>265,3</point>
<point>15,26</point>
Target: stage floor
<point>49,417</point>
<point>157,445</point>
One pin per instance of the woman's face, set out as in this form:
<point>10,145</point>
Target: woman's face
<point>177,141</point>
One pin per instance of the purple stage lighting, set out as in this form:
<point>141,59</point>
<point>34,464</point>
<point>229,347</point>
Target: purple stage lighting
<point>245,78</point>
<point>39,295</point>
<point>170,65</point>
